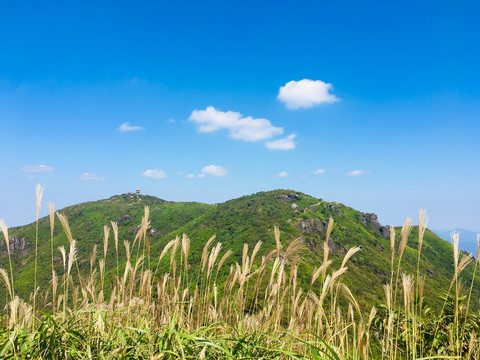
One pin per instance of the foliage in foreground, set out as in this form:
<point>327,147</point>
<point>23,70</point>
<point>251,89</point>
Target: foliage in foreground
<point>258,312</point>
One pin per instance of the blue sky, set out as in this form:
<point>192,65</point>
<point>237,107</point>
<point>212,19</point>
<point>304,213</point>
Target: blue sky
<point>199,86</point>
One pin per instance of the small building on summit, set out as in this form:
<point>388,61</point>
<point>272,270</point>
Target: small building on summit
<point>138,191</point>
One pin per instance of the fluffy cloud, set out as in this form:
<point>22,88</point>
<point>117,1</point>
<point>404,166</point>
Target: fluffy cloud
<point>282,174</point>
<point>239,127</point>
<point>155,174</point>
<point>319,171</point>
<point>91,177</point>
<point>127,127</point>
<point>37,168</point>
<point>357,173</point>
<point>282,144</point>
<point>306,93</point>
<point>214,170</point>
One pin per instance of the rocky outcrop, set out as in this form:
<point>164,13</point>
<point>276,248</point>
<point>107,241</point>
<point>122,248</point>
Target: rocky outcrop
<point>334,208</point>
<point>153,232</point>
<point>431,274</point>
<point>17,245</point>
<point>135,229</point>
<point>385,231</point>
<point>295,207</point>
<point>370,219</point>
<point>311,226</point>
<point>313,207</point>
<point>125,218</point>
<point>285,198</point>
<point>289,198</point>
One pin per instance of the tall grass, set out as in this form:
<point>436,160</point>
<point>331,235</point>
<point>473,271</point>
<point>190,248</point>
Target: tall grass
<point>258,311</point>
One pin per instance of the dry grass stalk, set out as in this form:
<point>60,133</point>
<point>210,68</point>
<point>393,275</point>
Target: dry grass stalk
<point>93,257</point>
<point>422,225</point>
<point>185,248</point>
<point>4,229</point>
<point>205,251</point>
<point>6,280</point>
<point>51,212</point>
<point>66,227</point>
<point>39,195</point>
<point>106,234</point>
<point>223,259</point>
<point>352,251</point>
<point>404,234</point>
<point>276,232</point>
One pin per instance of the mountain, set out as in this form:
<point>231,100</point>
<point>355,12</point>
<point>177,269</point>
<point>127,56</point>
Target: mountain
<point>235,222</point>
<point>468,239</point>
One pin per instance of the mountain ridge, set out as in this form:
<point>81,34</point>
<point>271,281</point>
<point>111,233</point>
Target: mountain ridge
<point>244,220</point>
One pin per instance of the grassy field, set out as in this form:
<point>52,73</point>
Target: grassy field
<point>159,305</point>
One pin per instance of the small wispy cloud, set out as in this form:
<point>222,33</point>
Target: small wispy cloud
<point>306,93</point>
<point>282,174</point>
<point>239,127</point>
<point>190,176</point>
<point>126,127</point>
<point>154,174</point>
<point>282,144</point>
<point>91,177</point>
<point>357,173</point>
<point>319,172</point>
<point>37,168</point>
<point>213,170</point>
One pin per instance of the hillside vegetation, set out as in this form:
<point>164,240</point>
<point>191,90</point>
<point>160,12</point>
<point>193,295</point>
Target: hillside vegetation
<point>276,274</point>
<point>245,220</point>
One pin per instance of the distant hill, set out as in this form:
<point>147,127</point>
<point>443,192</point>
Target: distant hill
<point>468,239</point>
<point>244,220</point>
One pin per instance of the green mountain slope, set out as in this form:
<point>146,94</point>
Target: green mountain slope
<point>248,219</point>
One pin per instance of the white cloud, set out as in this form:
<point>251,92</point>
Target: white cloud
<point>306,93</point>
<point>214,170</point>
<point>190,176</point>
<point>282,174</point>
<point>155,174</point>
<point>91,177</point>
<point>357,173</point>
<point>242,128</point>
<point>127,127</point>
<point>319,171</point>
<point>282,144</point>
<point>37,168</point>
<point>201,175</point>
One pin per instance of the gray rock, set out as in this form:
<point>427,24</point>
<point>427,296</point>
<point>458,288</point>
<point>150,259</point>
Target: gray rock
<point>294,196</point>
<point>295,207</point>
<point>331,245</point>
<point>135,229</point>
<point>16,244</point>
<point>285,198</point>
<point>313,207</point>
<point>385,231</point>
<point>370,219</point>
<point>153,232</point>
